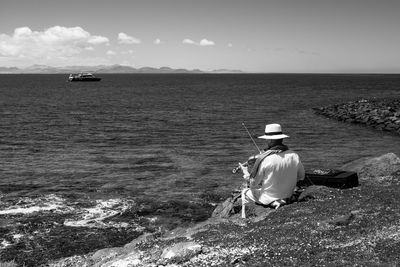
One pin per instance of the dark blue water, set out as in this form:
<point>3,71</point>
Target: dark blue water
<point>150,151</point>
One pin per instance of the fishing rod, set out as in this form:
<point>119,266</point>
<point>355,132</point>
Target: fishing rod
<point>236,169</point>
<point>254,142</point>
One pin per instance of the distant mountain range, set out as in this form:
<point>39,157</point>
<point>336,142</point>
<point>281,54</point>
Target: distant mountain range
<point>105,69</point>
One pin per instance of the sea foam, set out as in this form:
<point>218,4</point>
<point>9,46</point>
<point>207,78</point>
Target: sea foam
<point>100,215</point>
<point>30,205</point>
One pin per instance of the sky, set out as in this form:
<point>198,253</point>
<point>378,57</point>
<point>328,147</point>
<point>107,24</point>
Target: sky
<point>278,36</point>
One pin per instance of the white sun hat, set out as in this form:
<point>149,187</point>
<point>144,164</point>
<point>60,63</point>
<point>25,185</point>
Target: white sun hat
<point>273,131</point>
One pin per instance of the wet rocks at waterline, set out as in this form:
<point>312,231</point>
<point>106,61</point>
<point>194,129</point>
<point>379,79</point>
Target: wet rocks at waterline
<point>382,114</point>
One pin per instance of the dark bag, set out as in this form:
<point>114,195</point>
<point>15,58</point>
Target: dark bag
<point>330,178</point>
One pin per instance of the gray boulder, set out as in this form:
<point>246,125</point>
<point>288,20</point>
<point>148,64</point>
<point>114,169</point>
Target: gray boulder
<point>226,208</point>
<point>372,167</point>
<point>181,250</point>
<point>105,254</point>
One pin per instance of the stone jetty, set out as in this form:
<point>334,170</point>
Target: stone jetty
<point>381,114</point>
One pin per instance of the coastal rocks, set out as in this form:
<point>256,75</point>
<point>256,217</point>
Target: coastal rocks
<point>127,260</point>
<point>373,167</point>
<point>188,232</point>
<point>81,261</point>
<point>105,254</point>
<point>379,114</point>
<point>182,250</point>
<point>38,228</point>
<point>231,209</point>
<point>147,237</point>
<point>360,224</point>
<point>254,213</point>
<point>318,192</point>
<point>337,221</point>
<point>342,220</point>
<point>225,209</point>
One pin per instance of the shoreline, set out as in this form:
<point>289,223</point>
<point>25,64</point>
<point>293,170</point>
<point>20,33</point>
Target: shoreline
<point>380,114</point>
<point>355,226</point>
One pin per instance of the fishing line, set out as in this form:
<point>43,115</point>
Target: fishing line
<point>259,150</point>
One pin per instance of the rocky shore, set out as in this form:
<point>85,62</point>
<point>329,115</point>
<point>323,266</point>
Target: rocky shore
<point>382,114</point>
<point>338,227</point>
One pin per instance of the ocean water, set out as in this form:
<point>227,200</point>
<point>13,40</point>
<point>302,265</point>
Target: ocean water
<point>85,166</point>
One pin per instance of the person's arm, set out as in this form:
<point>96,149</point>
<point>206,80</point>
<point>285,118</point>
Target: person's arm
<point>245,171</point>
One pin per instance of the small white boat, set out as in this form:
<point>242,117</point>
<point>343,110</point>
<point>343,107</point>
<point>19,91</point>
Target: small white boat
<point>83,77</point>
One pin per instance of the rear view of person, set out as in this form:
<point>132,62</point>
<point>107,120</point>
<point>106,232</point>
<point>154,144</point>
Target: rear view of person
<point>275,173</point>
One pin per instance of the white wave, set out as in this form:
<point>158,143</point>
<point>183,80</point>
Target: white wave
<point>99,216</point>
<point>105,209</point>
<point>18,236</point>
<point>4,244</point>
<point>29,205</point>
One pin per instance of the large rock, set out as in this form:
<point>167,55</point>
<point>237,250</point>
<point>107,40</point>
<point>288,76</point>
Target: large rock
<point>181,250</point>
<point>106,253</point>
<point>141,239</point>
<point>372,167</point>
<point>126,260</point>
<point>231,209</point>
<point>225,209</point>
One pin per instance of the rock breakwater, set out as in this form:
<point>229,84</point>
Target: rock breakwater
<point>382,114</point>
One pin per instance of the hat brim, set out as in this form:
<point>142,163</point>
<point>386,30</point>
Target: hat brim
<point>273,137</point>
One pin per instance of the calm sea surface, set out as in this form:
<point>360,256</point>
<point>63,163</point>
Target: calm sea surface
<point>152,151</point>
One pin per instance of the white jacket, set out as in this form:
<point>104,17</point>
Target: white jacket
<point>278,175</point>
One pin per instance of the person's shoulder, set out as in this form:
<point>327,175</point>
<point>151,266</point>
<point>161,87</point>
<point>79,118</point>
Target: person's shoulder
<point>289,151</point>
<point>292,154</point>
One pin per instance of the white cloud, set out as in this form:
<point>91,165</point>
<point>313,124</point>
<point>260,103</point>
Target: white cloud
<point>111,53</point>
<point>54,42</point>
<point>123,38</point>
<point>98,40</point>
<point>188,41</point>
<point>230,45</point>
<point>203,42</point>
<point>157,41</point>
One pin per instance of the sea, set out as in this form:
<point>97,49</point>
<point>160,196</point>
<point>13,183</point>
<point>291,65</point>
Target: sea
<point>85,166</point>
